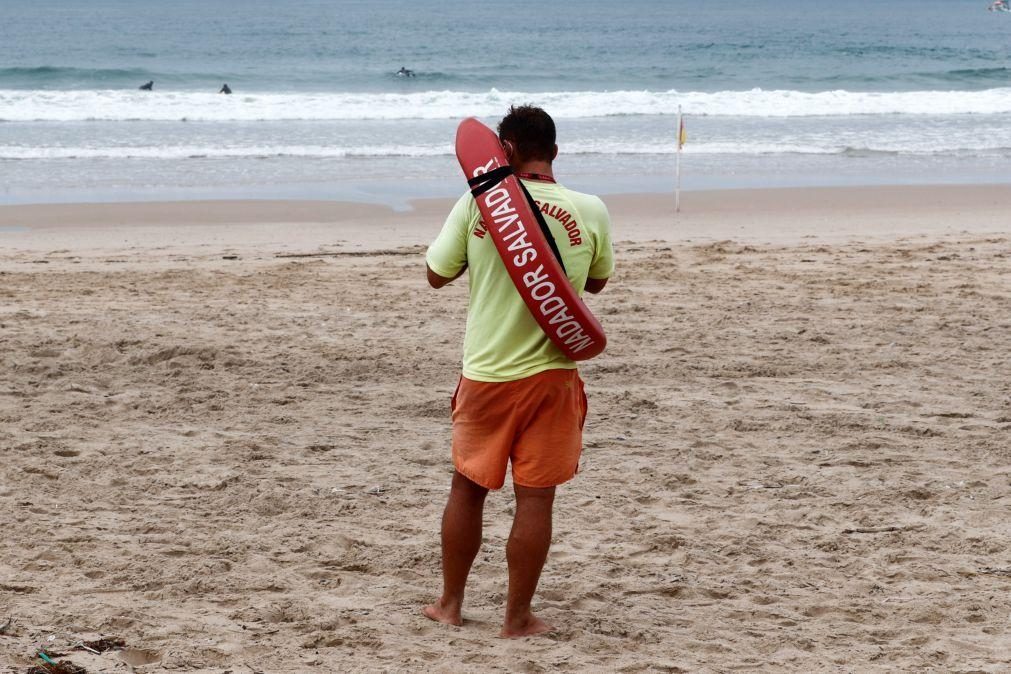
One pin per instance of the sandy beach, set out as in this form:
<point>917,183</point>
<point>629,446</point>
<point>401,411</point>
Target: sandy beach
<point>225,439</point>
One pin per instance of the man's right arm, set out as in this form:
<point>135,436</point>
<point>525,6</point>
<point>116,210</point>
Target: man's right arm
<point>437,280</point>
<point>595,285</point>
<point>446,259</point>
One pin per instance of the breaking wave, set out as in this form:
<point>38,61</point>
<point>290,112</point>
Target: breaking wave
<point>117,105</point>
<point>197,152</point>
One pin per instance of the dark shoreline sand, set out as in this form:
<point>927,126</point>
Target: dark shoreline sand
<point>797,452</point>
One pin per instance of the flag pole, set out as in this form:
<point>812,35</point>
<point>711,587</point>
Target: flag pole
<point>677,189</point>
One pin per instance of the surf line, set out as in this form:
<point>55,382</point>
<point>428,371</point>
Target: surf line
<point>509,224</point>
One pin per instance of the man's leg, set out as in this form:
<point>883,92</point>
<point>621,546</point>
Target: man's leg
<point>461,540</point>
<point>526,551</point>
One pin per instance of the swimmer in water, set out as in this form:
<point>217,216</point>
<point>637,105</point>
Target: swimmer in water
<point>147,87</point>
<point>225,89</point>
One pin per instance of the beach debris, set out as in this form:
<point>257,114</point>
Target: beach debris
<point>328,254</point>
<point>8,627</point>
<point>77,388</point>
<point>760,485</point>
<point>51,666</point>
<point>229,257</point>
<point>337,492</point>
<point>882,530</point>
<point>65,667</point>
<point>378,490</point>
<point>996,571</point>
<point>102,645</point>
<point>406,250</point>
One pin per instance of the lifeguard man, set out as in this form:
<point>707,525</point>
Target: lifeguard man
<point>520,400</point>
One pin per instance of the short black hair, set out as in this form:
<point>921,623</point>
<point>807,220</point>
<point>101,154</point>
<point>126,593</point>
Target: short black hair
<point>531,131</point>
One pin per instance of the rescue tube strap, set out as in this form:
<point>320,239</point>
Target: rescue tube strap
<point>486,181</point>
<point>544,226</point>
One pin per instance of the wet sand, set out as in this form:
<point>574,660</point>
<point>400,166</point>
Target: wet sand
<point>797,453</point>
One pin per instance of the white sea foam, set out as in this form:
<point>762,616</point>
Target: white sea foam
<point>17,105</point>
<point>964,146</point>
<point>219,152</point>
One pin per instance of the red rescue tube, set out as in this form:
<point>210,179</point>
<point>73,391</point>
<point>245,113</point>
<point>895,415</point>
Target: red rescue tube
<point>532,266</point>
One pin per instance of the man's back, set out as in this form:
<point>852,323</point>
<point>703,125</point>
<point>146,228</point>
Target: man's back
<point>504,342</point>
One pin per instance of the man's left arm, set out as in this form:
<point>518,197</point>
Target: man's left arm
<point>594,285</point>
<point>602,265</point>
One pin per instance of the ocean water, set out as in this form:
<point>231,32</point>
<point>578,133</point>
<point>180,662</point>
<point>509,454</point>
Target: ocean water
<point>776,92</point>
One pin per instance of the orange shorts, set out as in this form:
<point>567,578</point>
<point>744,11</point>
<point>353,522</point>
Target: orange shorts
<point>536,422</point>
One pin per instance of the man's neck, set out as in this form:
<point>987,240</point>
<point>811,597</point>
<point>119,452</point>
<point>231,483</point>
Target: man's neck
<point>542,168</point>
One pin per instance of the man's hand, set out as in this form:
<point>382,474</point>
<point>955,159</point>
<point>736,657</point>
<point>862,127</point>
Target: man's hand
<point>595,285</point>
<point>437,281</point>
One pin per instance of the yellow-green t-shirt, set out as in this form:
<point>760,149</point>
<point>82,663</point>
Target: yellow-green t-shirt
<point>503,341</point>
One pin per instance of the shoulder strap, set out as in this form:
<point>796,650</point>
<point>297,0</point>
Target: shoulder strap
<point>486,181</point>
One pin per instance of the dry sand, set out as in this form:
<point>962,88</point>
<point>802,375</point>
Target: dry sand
<point>797,455</point>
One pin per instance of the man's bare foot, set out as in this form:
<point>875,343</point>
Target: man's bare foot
<point>443,612</point>
<point>528,626</point>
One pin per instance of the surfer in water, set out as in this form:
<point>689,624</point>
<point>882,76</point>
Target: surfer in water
<point>519,400</point>
<point>404,72</point>
<point>149,86</point>
<point>225,89</point>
